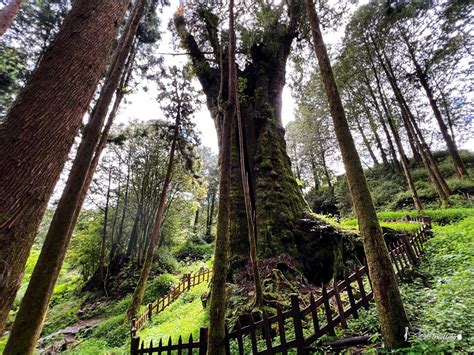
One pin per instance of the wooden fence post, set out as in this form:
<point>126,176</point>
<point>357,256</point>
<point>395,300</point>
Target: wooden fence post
<point>203,341</point>
<point>134,344</point>
<point>426,221</point>
<point>150,311</point>
<point>409,250</point>
<point>133,329</point>
<point>188,279</point>
<point>299,337</point>
<point>327,310</point>
<point>340,306</point>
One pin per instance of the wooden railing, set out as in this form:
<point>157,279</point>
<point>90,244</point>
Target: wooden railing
<point>309,321</point>
<point>187,282</point>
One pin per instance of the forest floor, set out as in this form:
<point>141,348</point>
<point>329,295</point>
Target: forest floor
<point>439,299</point>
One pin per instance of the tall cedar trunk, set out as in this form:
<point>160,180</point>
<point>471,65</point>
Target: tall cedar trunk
<point>46,272</point>
<point>416,154</point>
<point>104,231</point>
<point>423,78</point>
<point>391,312</point>
<point>47,116</point>
<point>155,236</point>
<point>404,162</point>
<point>116,244</point>
<point>210,214</point>
<point>7,14</point>
<point>393,153</point>
<point>408,122</point>
<point>326,170</point>
<point>218,302</point>
<point>420,140</point>
<point>132,242</point>
<point>196,221</point>
<point>378,141</point>
<point>367,144</point>
<point>441,193</point>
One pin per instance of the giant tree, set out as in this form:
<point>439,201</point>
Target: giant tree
<point>36,137</point>
<point>267,33</point>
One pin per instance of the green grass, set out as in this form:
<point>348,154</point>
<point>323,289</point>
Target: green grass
<point>184,317</point>
<point>444,305</point>
<point>398,226</point>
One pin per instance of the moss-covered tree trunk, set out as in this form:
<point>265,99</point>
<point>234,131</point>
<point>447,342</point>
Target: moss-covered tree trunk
<point>279,203</point>
<point>390,310</point>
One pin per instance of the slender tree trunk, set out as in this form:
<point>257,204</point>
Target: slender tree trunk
<point>441,193</point>
<point>422,77</point>
<point>366,141</point>
<point>393,152</point>
<point>65,79</point>
<point>156,232</point>
<point>429,156</point>
<point>196,221</point>
<point>116,244</point>
<point>378,141</point>
<point>315,172</point>
<point>104,231</point>
<point>326,170</point>
<point>391,312</point>
<point>210,215</point>
<point>132,242</point>
<point>218,306</point>
<point>7,14</point>
<point>405,167</point>
<point>409,123</point>
<point>411,140</point>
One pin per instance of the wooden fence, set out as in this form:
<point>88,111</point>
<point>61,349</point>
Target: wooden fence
<point>187,282</point>
<point>308,320</point>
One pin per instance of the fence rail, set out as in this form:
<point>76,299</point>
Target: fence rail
<point>270,335</point>
<point>187,282</point>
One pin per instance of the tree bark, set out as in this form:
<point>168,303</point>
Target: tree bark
<point>405,166</point>
<point>378,141</point>
<point>218,301</point>
<point>393,152</point>
<point>8,13</point>
<point>391,312</point>
<point>156,232</point>
<point>410,125</point>
<point>423,78</point>
<point>47,116</point>
<point>367,144</point>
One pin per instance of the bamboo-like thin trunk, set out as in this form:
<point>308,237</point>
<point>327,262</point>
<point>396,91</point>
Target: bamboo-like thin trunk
<point>390,310</point>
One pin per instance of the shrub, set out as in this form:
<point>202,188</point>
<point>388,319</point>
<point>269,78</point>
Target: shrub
<point>194,249</point>
<point>159,286</point>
